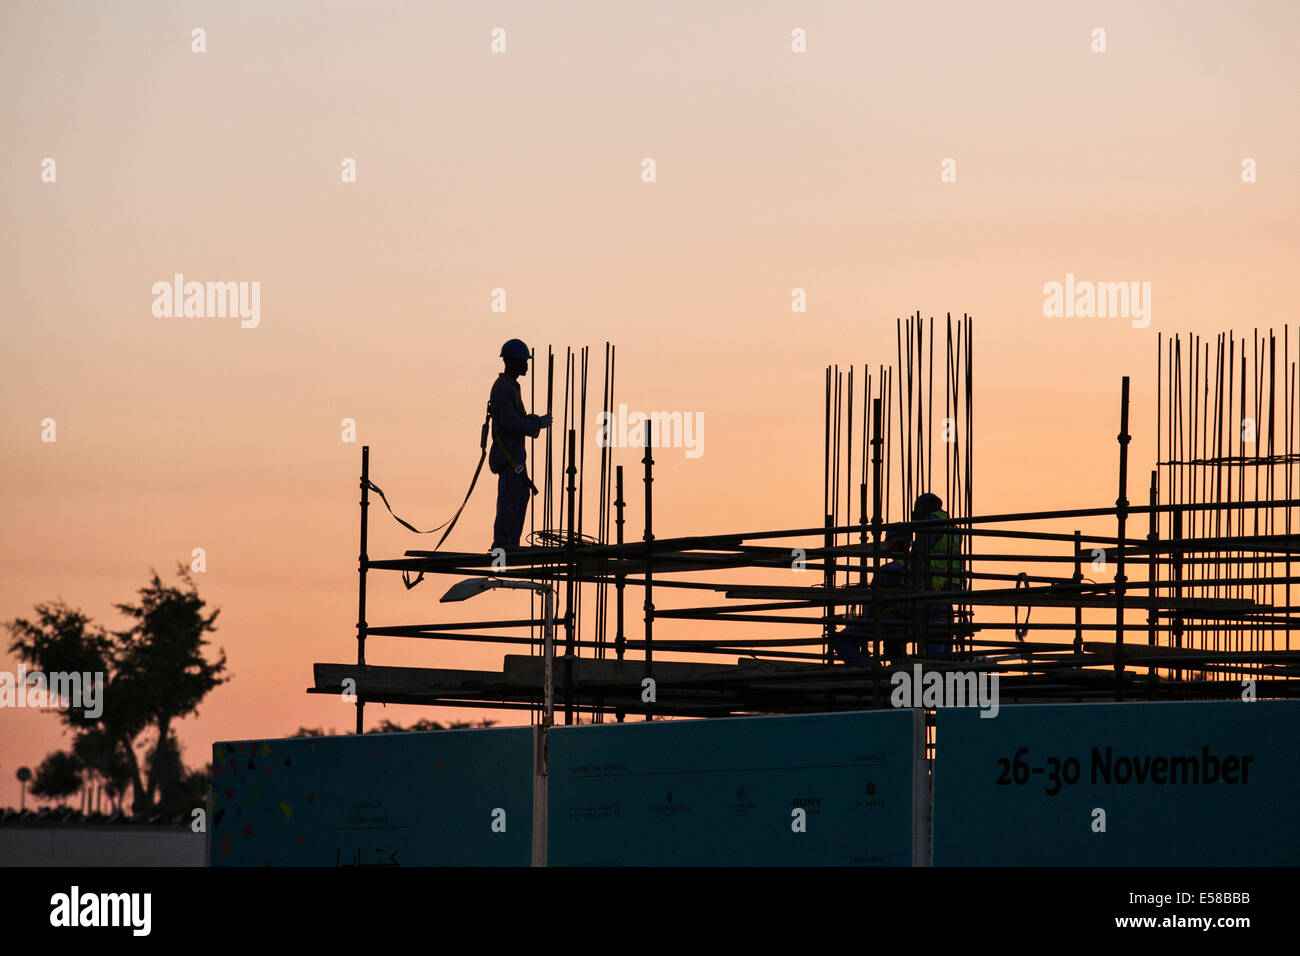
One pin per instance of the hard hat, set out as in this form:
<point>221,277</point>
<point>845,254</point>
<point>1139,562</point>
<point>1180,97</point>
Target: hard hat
<point>926,504</point>
<point>515,349</point>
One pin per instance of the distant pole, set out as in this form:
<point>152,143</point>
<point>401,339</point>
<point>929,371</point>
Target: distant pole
<point>24,774</point>
<point>363,563</point>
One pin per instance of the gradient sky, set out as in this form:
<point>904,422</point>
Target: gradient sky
<point>522,170</point>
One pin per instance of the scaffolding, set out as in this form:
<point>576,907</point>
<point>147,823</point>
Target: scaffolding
<point>1188,598</point>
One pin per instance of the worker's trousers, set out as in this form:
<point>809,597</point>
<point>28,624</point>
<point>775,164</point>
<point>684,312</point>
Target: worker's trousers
<point>852,644</point>
<point>512,508</point>
<point>847,644</point>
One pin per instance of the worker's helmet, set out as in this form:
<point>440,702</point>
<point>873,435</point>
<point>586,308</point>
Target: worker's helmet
<point>926,504</point>
<point>515,349</point>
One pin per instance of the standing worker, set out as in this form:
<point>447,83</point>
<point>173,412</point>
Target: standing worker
<point>511,423</point>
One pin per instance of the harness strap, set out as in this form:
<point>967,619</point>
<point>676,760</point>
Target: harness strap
<point>517,468</point>
<point>451,523</point>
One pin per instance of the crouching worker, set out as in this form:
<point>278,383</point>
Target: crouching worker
<point>852,642</point>
<point>849,642</point>
<point>890,582</point>
<point>511,424</point>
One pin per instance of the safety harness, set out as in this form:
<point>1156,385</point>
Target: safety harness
<point>489,422</point>
<point>515,466</point>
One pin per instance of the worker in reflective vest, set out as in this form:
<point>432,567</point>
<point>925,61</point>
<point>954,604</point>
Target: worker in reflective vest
<point>511,424</point>
<point>936,551</point>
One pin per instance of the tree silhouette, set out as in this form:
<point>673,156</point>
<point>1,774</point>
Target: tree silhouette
<point>154,672</point>
<point>58,776</point>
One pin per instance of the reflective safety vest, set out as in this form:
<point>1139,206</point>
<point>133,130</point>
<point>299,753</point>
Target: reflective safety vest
<point>943,555</point>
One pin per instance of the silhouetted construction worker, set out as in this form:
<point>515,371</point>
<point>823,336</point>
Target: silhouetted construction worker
<point>511,424</point>
<point>937,563</point>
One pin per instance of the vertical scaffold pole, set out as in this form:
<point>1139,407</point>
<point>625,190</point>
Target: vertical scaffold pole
<point>1121,513</point>
<point>876,441</point>
<point>862,533</point>
<point>648,461</point>
<point>570,557</point>
<point>363,564</point>
<point>828,579</point>
<point>620,640</point>
<point>1176,569</point>
<point>1078,580</point>
<point>1153,570</point>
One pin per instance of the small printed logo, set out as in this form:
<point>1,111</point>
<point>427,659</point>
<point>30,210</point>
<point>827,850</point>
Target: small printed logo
<point>742,805</point>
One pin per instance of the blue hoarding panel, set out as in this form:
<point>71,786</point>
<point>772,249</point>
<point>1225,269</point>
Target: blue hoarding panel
<point>442,798</point>
<point>827,789</point>
<point>1172,784</point>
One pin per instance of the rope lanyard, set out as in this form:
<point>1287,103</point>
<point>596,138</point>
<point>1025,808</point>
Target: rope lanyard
<point>450,523</point>
<point>489,423</point>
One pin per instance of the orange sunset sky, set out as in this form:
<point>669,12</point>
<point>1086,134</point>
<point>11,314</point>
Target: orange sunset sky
<point>522,170</point>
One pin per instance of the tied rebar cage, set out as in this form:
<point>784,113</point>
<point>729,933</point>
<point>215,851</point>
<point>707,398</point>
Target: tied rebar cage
<point>903,428</point>
<point>1228,446</point>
